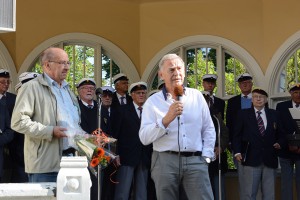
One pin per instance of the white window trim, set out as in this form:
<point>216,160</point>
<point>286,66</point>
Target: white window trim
<point>276,65</point>
<point>235,50</point>
<point>114,52</point>
<point>6,62</point>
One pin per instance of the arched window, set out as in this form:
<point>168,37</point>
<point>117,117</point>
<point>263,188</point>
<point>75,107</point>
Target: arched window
<point>209,54</point>
<point>284,70</point>
<point>91,56</point>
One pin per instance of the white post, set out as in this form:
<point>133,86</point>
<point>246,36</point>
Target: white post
<point>73,180</point>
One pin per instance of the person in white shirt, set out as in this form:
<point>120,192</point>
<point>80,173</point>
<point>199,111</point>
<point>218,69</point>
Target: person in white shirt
<point>182,133</point>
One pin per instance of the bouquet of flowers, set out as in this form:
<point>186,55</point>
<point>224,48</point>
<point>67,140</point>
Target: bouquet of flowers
<point>94,147</point>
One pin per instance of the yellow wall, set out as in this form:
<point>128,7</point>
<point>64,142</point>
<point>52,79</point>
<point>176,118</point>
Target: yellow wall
<point>38,20</point>
<point>141,30</point>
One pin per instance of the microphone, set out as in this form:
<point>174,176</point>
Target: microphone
<point>178,91</point>
<point>98,92</point>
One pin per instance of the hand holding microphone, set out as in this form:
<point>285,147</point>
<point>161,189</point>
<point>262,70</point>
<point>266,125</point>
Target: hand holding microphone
<point>176,108</point>
<point>178,91</point>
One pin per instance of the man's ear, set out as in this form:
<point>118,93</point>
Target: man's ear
<point>160,75</point>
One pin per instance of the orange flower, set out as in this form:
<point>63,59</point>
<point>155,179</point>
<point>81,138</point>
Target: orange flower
<point>107,158</point>
<point>94,162</point>
<point>100,152</point>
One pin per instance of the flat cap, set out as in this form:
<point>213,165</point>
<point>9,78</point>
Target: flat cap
<point>119,77</point>
<point>244,77</point>
<point>210,77</point>
<point>25,77</point>
<point>108,89</point>
<point>86,81</point>
<point>260,91</point>
<point>137,86</point>
<point>295,86</point>
<point>4,73</point>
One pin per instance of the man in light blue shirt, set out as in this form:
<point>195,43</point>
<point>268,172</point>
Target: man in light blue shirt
<point>45,111</point>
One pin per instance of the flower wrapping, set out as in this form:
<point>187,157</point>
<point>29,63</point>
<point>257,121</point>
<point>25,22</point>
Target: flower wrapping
<point>94,148</point>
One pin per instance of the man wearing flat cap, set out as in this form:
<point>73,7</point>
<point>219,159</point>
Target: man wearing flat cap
<point>134,156</point>
<point>209,84</point>
<point>6,98</point>
<point>89,122</point>
<point>121,97</point>
<point>257,138</point>
<point>236,103</point>
<point>7,101</point>
<point>289,157</point>
<point>216,107</point>
<point>86,92</point>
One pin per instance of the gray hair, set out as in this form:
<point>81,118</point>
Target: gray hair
<point>171,56</point>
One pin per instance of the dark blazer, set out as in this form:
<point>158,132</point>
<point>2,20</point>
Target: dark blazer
<point>219,105</point>
<point>89,117</point>
<point>289,125</point>
<point>260,148</point>
<point>125,128</point>
<point>233,106</point>
<point>213,167</point>
<point>10,102</point>
<point>116,102</point>
<point>6,134</point>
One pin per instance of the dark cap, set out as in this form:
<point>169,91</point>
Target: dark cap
<point>137,86</point>
<point>108,89</point>
<point>86,81</point>
<point>294,87</point>
<point>210,77</point>
<point>260,91</point>
<point>4,73</point>
<point>244,77</point>
<point>119,77</point>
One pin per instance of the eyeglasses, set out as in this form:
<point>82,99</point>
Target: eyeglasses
<point>5,82</point>
<point>140,93</point>
<point>65,63</point>
<point>88,88</point>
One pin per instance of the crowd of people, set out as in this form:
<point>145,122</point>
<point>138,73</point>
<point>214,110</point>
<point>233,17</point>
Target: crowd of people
<point>171,142</point>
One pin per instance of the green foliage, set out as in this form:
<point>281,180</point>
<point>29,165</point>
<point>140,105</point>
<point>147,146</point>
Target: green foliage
<point>290,74</point>
<point>206,64</point>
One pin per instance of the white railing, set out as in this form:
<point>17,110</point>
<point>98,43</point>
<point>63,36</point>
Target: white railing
<point>73,183</point>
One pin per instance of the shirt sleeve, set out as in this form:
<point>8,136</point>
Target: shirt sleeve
<point>151,126</point>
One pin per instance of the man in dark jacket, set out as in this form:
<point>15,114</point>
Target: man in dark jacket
<point>289,157</point>
<point>257,138</point>
<point>134,156</point>
<point>120,96</point>
<point>216,107</point>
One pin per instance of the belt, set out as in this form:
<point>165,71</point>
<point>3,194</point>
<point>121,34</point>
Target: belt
<point>185,153</point>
